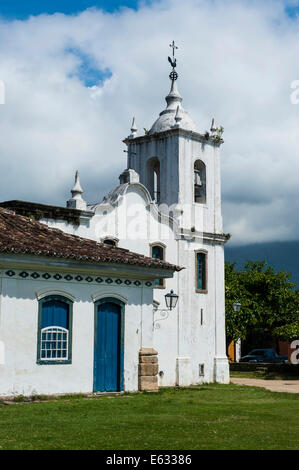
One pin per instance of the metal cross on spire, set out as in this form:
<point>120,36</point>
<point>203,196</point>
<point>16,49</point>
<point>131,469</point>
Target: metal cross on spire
<point>173,46</point>
<point>173,75</point>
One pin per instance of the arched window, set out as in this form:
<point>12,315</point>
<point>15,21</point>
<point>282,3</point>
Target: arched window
<point>110,241</point>
<point>153,178</point>
<point>199,182</point>
<point>201,271</point>
<point>158,252</point>
<point>54,330</point>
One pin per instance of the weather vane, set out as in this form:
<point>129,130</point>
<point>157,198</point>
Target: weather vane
<point>173,74</point>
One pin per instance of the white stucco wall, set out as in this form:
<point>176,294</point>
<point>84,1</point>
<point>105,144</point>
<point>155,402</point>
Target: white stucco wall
<point>20,373</point>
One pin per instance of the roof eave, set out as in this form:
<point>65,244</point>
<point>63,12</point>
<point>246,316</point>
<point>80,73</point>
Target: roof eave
<point>66,264</point>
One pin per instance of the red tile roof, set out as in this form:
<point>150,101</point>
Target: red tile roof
<point>21,235</point>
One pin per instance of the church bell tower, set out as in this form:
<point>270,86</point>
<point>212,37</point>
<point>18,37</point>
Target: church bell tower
<point>178,165</point>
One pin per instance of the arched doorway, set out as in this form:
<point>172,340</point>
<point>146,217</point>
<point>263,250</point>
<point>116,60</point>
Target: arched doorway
<point>109,345</point>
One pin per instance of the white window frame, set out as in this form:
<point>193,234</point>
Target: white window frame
<point>50,331</point>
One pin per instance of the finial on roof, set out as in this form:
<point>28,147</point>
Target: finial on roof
<point>213,128</point>
<point>77,186</point>
<point>76,201</point>
<point>133,129</point>
<point>173,74</point>
<point>178,117</point>
<point>167,118</point>
<point>173,99</point>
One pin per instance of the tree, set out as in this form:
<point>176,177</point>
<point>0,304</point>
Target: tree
<point>270,301</point>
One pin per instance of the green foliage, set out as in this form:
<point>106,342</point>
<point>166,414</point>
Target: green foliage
<point>288,332</point>
<point>220,130</point>
<point>269,301</point>
<point>38,215</point>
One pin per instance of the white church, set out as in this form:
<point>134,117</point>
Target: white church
<point>126,294</point>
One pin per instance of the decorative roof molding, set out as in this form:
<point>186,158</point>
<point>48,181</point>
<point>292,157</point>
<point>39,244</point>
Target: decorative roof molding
<point>204,138</point>
<point>114,198</point>
<point>74,278</point>
<point>38,211</point>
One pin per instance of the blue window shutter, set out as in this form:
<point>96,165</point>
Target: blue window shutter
<point>55,313</point>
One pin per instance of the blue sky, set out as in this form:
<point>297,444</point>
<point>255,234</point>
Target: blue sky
<point>87,70</point>
<point>21,9</point>
<point>292,11</point>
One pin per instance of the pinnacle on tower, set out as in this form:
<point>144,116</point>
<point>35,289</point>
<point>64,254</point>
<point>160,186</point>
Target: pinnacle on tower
<point>178,117</point>
<point>76,201</point>
<point>213,128</point>
<point>133,129</point>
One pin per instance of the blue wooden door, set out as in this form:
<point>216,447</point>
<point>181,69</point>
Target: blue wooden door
<point>108,364</point>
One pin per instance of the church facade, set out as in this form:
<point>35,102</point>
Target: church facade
<point>167,207</point>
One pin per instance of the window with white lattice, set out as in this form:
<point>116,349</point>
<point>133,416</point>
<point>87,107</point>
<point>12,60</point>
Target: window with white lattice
<point>54,343</point>
<point>54,330</point>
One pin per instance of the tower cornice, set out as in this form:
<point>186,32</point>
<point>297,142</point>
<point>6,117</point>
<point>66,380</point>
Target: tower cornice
<point>204,138</point>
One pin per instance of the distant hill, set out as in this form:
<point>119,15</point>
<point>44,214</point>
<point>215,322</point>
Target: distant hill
<point>279,255</point>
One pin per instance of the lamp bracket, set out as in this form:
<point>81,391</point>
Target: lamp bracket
<point>164,314</point>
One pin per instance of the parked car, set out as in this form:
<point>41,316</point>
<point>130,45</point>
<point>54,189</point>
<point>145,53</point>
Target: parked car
<point>263,355</point>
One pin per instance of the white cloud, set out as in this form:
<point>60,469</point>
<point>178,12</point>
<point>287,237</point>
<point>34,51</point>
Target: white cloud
<point>237,60</point>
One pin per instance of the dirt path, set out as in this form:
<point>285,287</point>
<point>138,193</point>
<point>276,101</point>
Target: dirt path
<point>290,386</point>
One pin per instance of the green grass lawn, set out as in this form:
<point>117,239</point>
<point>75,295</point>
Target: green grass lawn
<point>263,375</point>
<point>208,417</point>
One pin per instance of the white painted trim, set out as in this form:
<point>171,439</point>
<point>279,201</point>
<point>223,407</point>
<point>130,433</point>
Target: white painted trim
<point>158,243</point>
<point>101,295</point>
<point>141,189</point>
<point>42,293</point>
